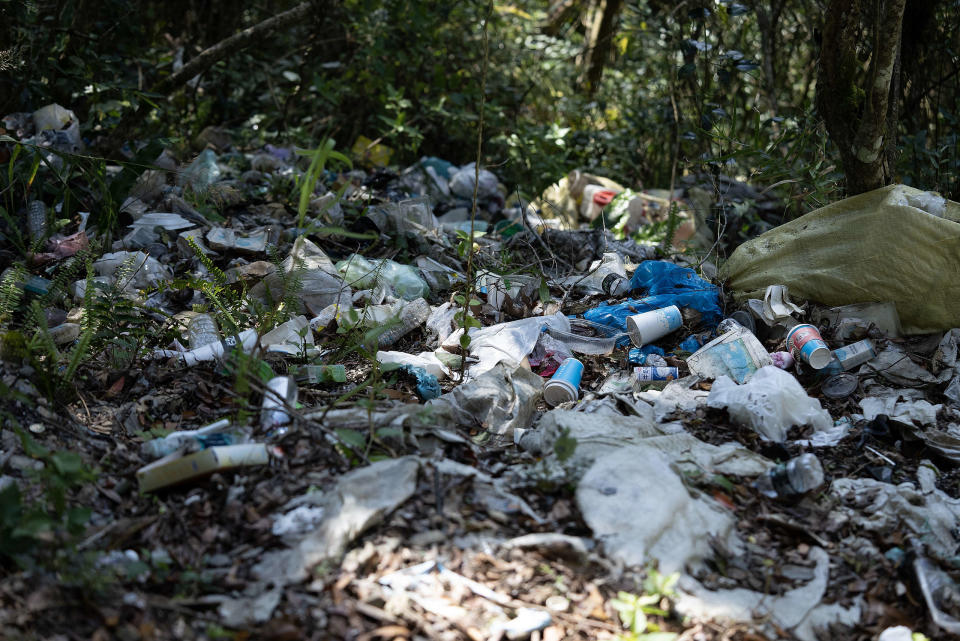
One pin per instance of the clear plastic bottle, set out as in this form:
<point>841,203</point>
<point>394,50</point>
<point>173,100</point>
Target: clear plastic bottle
<point>727,325</point>
<point>202,172</point>
<point>797,476</point>
<point>36,219</point>
<point>207,436</point>
<point>609,278</point>
<point>412,315</point>
<point>281,393</point>
<point>202,330</point>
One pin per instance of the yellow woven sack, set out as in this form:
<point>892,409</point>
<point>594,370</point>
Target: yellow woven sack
<point>896,244</point>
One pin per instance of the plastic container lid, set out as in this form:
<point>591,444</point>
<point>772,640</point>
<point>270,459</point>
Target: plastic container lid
<point>604,197</point>
<point>840,386</point>
<point>558,391</point>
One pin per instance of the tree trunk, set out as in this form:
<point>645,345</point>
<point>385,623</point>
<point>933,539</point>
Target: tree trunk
<point>768,20</point>
<point>857,111</point>
<point>600,34</point>
<point>559,13</point>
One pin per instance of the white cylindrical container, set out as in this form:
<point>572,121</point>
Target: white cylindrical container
<point>650,326</point>
<point>281,392</point>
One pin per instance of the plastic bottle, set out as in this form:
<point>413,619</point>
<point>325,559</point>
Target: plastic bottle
<point>609,278</point>
<point>797,476</point>
<point>206,436</point>
<point>202,330</point>
<point>202,172</point>
<point>603,342</point>
<point>36,219</point>
<point>281,392</point>
<point>412,316</point>
<point>728,325</point>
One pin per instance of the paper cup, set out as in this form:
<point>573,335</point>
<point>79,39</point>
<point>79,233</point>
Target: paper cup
<point>565,384</point>
<point>804,342</point>
<point>647,327</point>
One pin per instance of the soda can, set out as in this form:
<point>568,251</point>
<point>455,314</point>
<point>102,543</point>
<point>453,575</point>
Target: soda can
<point>654,374</point>
<point>564,386</point>
<point>855,354</point>
<point>650,326</point>
<point>805,343</point>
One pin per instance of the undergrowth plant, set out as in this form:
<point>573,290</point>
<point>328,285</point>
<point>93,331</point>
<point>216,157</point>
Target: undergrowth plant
<point>634,610</point>
<point>31,530</point>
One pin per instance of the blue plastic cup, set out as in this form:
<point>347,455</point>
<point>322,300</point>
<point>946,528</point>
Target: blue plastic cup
<point>565,384</point>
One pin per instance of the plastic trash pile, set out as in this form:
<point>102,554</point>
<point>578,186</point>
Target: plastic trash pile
<point>811,408</point>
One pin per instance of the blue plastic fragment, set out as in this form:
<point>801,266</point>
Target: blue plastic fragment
<point>690,344</point>
<point>664,284</point>
<point>638,355</point>
<point>443,168</point>
<point>428,387</point>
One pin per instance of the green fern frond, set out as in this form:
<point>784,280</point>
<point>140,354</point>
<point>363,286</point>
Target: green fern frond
<point>11,292</point>
<point>88,324</point>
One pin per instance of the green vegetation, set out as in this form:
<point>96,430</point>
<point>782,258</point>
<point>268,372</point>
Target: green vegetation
<point>709,86</point>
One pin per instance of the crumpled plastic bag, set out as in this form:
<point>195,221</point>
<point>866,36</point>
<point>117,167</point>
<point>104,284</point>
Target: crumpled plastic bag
<point>463,182</point>
<point>664,284</point>
<point>404,280</point>
<point>321,284</point>
<point>498,401</point>
<point>202,172</point>
<point>509,342</point>
<point>135,269</point>
<point>771,402</point>
<point>876,246</point>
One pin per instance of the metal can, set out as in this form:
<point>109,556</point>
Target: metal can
<point>654,376</point>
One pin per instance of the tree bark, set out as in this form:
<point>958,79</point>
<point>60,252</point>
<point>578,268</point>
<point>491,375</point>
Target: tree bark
<point>858,117</point>
<point>600,34</point>
<point>768,20</point>
<point>559,13</point>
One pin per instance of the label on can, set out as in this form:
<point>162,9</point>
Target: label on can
<point>649,374</point>
<point>570,371</point>
<point>856,354</point>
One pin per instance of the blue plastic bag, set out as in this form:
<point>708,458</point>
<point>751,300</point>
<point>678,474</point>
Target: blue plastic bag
<point>665,284</point>
<point>690,344</point>
<point>428,387</point>
<point>638,355</point>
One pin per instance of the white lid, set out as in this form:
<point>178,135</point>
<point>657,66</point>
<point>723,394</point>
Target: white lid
<point>558,391</point>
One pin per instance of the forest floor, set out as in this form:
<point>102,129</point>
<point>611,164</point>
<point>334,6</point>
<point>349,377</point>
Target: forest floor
<point>483,514</point>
